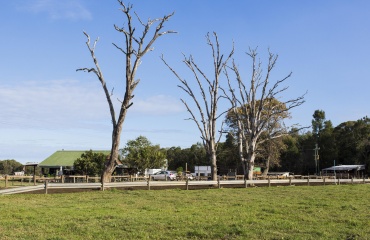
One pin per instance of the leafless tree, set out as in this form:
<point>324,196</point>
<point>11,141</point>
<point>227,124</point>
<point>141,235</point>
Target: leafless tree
<point>255,107</point>
<point>207,105</point>
<point>136,46</point>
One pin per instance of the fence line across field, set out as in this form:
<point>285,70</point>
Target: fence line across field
<point>46,186</point>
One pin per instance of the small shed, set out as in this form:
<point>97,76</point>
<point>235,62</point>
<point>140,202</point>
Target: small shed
<point>34,165</point>
<point>345,171</point>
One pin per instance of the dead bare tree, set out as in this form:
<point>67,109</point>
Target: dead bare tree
<point>234,118</point>
<point>207,106</point>
<point>136,46</point>
<point>255,107</point>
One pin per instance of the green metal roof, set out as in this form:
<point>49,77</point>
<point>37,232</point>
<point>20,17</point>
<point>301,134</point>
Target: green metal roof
<point>65,158</point>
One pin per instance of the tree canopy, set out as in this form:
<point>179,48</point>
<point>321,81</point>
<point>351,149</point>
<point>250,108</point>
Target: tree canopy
<point>10,166</point>
<point>142,154</point>
<point>90,163</point>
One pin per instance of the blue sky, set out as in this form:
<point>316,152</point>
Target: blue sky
<point>45,105</point>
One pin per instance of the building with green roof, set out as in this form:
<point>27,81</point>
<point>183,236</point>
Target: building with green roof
<point>64,159</point>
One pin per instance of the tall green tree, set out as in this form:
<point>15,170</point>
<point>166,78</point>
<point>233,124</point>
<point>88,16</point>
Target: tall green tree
<point>323,130</point>
<point>142,154</point>
<point>318,122</point>
<point>328,147</point>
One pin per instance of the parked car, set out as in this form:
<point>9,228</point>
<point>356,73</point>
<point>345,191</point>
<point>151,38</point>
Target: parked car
<point>164,175</point>
<point>189,176</point>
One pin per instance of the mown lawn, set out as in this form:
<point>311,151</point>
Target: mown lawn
<point>320,212</point>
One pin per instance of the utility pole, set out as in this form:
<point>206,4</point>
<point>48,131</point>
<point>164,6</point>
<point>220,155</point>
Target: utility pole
<point>316,157</point>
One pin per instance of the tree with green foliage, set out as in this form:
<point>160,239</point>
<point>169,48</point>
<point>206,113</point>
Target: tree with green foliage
<point>194,156</point>
<point>290,156</point>
<point>136,45</point>
<point>176,157</point>
<point>328,147</point>
<point>307,143</point>
<point>363,145</point>
<point>228,158</point>
<point>318,122</point>
<point>322,131</point>
<point>90,163</point>
<point>346,142</point>
<point>10,166</point>
<point>353,142</point>
<point>269,154</point>
<point>142,154</point>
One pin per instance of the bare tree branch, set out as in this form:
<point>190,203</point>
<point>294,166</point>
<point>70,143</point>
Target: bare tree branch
<point>207,110</point>
<point>135,47</point>
<point>256,108</point>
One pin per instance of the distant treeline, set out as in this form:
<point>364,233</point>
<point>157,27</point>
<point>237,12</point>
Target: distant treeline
<point>347,143</point>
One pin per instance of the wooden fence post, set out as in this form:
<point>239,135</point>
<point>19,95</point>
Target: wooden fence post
<point>46,186</point>
<point>364,180</point>
<point>102,185</point>
<point>245,183</point>
<point>187,183</point>
<point>308,181</point>
<point>148,183</point>
<point>6,181</point>
<point>218,183</point>
<point>338,181</point>
<point>290,181</point>
<point>323,180</point>
<point>269,181</point>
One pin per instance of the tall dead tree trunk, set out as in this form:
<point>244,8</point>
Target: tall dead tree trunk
<point>256,105</point>
<point>207,116</point>
<point>136,46</point>
<point>238,123</point>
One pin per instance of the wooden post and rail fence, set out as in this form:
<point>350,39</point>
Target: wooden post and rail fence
<point>84,182</point>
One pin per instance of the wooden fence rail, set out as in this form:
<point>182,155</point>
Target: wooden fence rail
<point>148,184</point>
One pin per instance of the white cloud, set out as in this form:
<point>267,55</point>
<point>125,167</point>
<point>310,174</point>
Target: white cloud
<point>70,104</point>
<point>60,9</point>
<point>63,103</point>
<point>157,105</point>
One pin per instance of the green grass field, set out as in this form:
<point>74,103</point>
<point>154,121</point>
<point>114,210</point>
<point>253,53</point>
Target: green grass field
<point>320,212</point>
